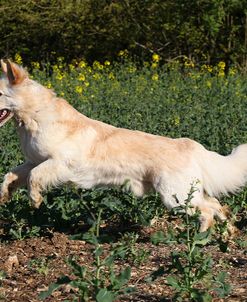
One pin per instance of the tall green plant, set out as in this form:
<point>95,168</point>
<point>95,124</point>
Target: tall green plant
<point>190,272</point>
<point>101,282</point>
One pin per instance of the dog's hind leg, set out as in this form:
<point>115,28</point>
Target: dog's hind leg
<point>206,218</point>
<point>14,179</point>
<point>49,173</point>
<point>175,193</point>
<point>221,213</point>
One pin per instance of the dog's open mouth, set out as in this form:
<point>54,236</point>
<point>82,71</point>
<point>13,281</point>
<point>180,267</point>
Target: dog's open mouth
<point>5,115</point>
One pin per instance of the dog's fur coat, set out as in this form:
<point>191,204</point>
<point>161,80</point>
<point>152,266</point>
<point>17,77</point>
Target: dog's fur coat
<point>61,145</point>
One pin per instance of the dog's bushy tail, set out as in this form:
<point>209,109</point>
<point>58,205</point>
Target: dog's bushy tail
<point>223,174</point>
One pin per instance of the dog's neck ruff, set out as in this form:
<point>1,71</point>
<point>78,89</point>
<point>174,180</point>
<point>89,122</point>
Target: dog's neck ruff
<point>19,122</point>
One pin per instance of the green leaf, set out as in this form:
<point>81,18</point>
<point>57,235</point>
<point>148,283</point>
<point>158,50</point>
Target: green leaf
<point>158,237</point>
<point>90,238</point>
<point>223,288</point>
<point>108,261</point>
<point>78,270</point>
<point>201,238</point>
<point>98,252</point>
<point>173,282</point>
<point>124,276</point>
<point>200,296</point>
<point>118,281</point>
<point>105,296</point>
<point>63,280</point>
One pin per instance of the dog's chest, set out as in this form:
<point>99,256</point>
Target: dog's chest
<point>34,146</point>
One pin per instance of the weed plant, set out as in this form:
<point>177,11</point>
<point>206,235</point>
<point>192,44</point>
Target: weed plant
<point>101,282</point>
<point>127,249</point>
<point>190,272</point>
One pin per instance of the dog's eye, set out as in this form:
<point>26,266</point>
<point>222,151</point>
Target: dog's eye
<point>1,93</point>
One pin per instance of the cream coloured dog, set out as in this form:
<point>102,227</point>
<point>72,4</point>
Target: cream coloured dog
<point>61,145</point>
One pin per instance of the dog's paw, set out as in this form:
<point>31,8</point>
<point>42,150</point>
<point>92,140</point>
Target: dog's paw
<point>36,205</point>
<point>233,231</point>
<point>4,198</point>
<point>36,202</point>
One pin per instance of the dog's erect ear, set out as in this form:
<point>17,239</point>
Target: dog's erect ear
<point>3,66</point>
<point>15,73</point>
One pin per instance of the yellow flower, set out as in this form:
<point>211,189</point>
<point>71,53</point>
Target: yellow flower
<point>96,76</point>
<point>210,68</point>
<point>111,76</point>
<point>60,59</point>
<point>221,73</point>
<point>177,120</point>
<point>86,84</point>
<point>209,84</point>
<point>222,65</point>
<point>48,85</point>
<point>189,64</point>
<point>155,77</point>
<point>55,68</point>
<point>35,65</point>
<point>59,76</point>
<point>154,65</point>
<point>81,77</point>
<point>123,53</point>
<point>207,68</point>
<point>232,71</point>
<point>18,58</point>
<point>97,65</point>
<point>155,58</point>
<point>132,69</point>
<point>78,89</point>
<point>107,63</point>
<point>82,64</point>
<point>71,67</point>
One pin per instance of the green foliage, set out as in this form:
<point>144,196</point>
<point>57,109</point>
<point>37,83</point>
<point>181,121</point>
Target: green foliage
<point>190,271</point>
<point>101,283</point>
<point>222,288</point>
<point>40,265</point>
<point>2,276</point>
<point>203,30</point>
<point>126,249</point>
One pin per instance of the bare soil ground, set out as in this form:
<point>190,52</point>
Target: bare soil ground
<point>29,266</point>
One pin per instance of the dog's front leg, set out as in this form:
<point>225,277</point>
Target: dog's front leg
<point>14,179</point>
<point>49,173</point>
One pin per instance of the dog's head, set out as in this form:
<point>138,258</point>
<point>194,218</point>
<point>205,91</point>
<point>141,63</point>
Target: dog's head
<point>13,77</point>
<point>20,96</point>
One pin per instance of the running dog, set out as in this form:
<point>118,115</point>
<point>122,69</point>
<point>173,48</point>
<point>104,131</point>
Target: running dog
<point>62,145</point>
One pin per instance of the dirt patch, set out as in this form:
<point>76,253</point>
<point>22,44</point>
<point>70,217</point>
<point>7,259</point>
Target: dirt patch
<point>29,266</point>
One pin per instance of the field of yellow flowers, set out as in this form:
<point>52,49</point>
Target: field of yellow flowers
<point>176,99</point>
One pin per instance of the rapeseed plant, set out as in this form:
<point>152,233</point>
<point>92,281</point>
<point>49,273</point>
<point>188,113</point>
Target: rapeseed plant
<point>18,58</point>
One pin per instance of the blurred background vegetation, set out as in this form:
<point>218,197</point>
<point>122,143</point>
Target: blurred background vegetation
<point>206,31</point>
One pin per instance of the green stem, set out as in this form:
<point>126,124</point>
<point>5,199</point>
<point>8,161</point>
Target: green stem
<point>98,263</point>
<point>98,222</point>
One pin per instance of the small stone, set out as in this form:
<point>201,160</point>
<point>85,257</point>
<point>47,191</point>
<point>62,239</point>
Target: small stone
<point>10,263</point>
